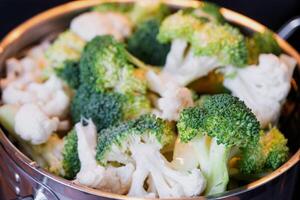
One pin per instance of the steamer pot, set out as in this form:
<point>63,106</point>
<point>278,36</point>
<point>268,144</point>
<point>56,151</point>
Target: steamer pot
<point>22,178</point>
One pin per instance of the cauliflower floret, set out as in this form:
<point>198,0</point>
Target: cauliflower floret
<point>264,87</point>
<point>50,95</point>
<point>33,125</point>
<point>112,179</point>
<point>165,182</point>
<point>174,97</point>
<point>88,25</point>
<point>184,66</point>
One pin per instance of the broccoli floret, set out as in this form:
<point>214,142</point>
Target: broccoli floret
<point>105,66</point>
<point>261,43</point>
<point>144,45</point>
<point>130,142</point>
<point>71,162</point>
<point>143,11</point>
<point>222,41</point>
<point>67,46</point>
<point>104,108</point>
<point>69,72</point>
<point>113,7</point>
<point>206,12</point>
<point>214,129</point>
<point>268,154</point>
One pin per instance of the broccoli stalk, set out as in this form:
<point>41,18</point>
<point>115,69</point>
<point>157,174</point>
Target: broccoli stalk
<point>214,130</point>
<point>130,142</point>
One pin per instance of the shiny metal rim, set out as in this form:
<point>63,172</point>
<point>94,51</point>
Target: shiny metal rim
<point>84,4</point>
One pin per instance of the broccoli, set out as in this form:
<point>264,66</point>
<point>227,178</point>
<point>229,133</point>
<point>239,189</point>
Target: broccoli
<point>130,142</point>
<point>143,11</point>
<point>69,72</point>
<point>206,12</point>
<point>106,66</point>
<point>113,7</point>
<point>67,46</point>
<point>215,129</point>
<point>70,162</point>
<point>269,154</point>
<point>144,45</point>
<point>104,108</point>
<point>261,43</point>
<point>47,155</point>
<point>212,39</point>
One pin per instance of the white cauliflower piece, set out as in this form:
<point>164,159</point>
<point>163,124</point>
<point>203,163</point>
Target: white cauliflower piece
<point>33,125</point>
<point>163,180</point>
<point>184,66</point>
<point>174,97</point>
<point>89,25</point>
<point>111,179</point>
<point>50,96</point>
<point>264,87</point>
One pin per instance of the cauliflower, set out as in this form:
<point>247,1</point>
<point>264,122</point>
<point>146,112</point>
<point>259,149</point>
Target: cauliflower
<point>173,98</point>
<point>184,66</point>
<point>88,25</point>
<point>50,96</point>
<point>33,125</point>
<point>112,179</point>
<point>262,87</point>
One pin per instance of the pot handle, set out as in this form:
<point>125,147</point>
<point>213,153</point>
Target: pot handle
<point>289,28</point>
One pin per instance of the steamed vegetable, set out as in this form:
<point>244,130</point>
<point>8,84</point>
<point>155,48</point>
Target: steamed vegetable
<point>214,130</point>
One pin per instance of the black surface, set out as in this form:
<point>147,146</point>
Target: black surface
<point>272,13</point>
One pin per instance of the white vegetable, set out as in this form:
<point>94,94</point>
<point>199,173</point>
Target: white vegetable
<point>184,66</point>
<point>174,97</point>
<point>264,87</point>
<point>33,125</point>
<point>89,25</point>
<point>165,181</point>
<point>112,179</point>
<point>50,95</point>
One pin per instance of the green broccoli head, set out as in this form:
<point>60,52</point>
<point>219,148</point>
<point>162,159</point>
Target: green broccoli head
<point>104,108</point>
<point>269,154</point>
<point>213,130</point>
<point>144,45</point>
<point>223,117</point>
<point>262,43</point>
<point>67,46</point>
<point>147,128</point>
<point>69,72</point>
<point>70,162</point>
<point>104,65</point>
<point>207,38</point>
<point>113,7</point>
<point>143,11</point>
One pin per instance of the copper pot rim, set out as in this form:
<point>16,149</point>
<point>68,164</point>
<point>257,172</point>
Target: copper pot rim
<point>85,4</point>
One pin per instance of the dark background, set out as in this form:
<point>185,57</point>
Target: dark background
<point>271,13</point>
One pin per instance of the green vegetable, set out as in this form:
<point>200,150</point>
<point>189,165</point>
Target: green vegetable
<point>71,162</point>
<point>113,7</point>
<point>67,46</point>
<point>214,129</point>
<point>104,108</point>
<point>69,72</point>
<point>269,154</point>
<point>143,11</point>
<point>206,38</point>
<point>262,43</point>
<point>144,45</point>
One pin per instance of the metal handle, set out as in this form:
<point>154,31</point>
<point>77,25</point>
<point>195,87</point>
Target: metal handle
<point>289,28</point>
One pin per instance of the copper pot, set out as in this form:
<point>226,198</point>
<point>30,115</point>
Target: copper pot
<point>22,178</point>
